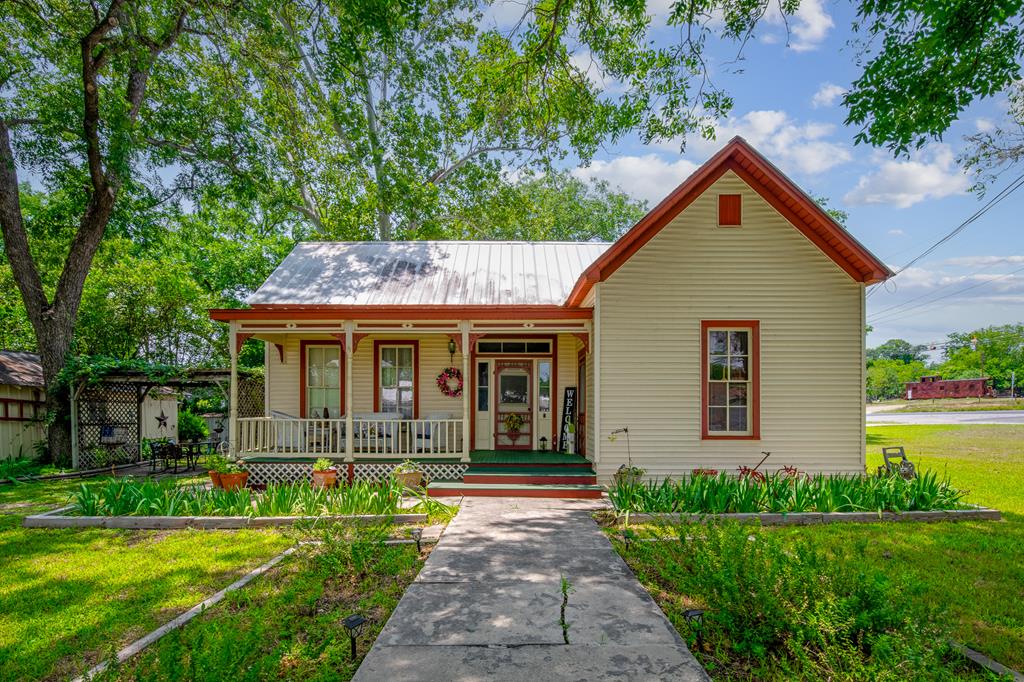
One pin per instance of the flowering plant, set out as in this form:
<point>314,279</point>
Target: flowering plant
<point>443,379</point>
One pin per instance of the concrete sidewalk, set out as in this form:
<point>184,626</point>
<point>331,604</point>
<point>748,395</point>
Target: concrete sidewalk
<point>487,605</point>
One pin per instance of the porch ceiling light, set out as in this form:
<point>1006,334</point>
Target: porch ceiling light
<point>354,624</point>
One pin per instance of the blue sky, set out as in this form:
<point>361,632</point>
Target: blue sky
<point>787,103</point>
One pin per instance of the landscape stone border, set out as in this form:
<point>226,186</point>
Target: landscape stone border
<point>57,518</point>
<point>818,518</point>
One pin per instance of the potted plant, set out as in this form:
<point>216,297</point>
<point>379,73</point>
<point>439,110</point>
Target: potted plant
<point>217,465</point>
<point>409,474</point>
<point>513,425</point>
<point>233,476</point>
<point>628,475</point>
<point>325,474</point>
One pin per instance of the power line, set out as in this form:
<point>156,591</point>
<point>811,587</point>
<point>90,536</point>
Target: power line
<point>893,315</point>
<point>1005,192</point>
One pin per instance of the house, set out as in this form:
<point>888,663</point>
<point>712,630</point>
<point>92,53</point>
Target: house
<point>935,386</point>
<point>706,330</point>
<point>22,403</point>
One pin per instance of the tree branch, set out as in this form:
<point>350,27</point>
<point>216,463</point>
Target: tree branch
<point>15,239</point>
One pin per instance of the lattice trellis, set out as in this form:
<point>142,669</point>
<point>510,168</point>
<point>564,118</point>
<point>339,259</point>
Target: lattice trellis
<point>437,471</point>
<point>261,473</point>
<point>108,427</point>
<point>250,397</point>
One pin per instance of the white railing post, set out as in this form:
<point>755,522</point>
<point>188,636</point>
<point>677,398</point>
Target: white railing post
<point>465,393</point>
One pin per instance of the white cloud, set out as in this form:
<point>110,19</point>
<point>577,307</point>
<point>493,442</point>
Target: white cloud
<point>827,95</point>
<point>897,233</point>
<point>646,177</point>
<point>595,73</point>
<point>808,27</point>
<point>984,125</point>
<point>793,146</point>
<point>976,261</point>
<point>931,174</point>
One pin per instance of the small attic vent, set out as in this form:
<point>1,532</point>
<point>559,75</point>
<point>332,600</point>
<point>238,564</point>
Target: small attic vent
<point>729,210</point>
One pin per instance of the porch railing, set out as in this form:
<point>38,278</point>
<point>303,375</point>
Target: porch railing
<point>371,437</point>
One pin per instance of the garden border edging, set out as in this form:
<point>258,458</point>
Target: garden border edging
<point>56,518</point>
<point>817,518</point>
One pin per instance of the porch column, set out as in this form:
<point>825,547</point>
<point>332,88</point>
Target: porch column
<point>465,392</point>
<point>233,393</point>
<point>349,422</point>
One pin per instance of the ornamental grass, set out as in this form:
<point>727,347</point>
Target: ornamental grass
<point>786,491</point>
<point>133,497</point>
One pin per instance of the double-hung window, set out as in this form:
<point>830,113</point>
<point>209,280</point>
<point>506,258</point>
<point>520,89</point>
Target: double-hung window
<point>323,381</point>
<point>397,379</point>
<point>730,376</point>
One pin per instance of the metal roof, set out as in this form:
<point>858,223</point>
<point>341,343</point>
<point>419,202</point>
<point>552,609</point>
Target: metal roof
<point>20,368</point>
<point>428,273</point>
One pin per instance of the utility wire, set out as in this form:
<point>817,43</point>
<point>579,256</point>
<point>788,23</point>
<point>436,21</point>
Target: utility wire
<point>893,315</point>
<point>1005,192</point>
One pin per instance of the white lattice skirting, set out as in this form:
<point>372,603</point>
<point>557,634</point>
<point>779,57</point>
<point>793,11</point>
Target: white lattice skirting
<point>261,473</point>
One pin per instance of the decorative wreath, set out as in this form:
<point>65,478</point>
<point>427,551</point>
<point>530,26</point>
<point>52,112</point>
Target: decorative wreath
<point>443,379</point>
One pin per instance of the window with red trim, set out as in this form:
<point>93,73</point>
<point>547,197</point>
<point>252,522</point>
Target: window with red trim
<point>730,391</point>
<point>396,379</point>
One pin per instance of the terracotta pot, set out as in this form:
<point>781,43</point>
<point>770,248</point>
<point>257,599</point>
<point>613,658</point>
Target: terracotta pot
<point>215,477</point>
<point>234,481</point>
<point>627,477</point>
<point>411,479</point>
<point>325,479</point>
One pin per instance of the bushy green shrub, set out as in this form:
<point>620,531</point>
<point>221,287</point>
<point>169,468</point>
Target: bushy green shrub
<point>191,427</point>
<point>779,609</point>
<point>785,492</point>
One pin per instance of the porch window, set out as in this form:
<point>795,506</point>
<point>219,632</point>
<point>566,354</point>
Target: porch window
<point>397,379</point>
<point>323,381</point>
<point>730,377</point>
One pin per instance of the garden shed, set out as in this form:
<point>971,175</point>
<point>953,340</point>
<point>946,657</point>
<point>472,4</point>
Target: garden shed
<point>22,403</point>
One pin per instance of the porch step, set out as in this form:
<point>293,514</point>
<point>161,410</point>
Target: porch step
<point>582,464</point>
<point>549,475</point>
<point>442,489</point>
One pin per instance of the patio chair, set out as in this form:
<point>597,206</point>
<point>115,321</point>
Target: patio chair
<point>434,436</point>
<point>896,462</point>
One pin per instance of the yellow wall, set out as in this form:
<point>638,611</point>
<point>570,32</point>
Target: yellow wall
<point>283,383</point>
<point>17,437</point>
<point>812,343</point>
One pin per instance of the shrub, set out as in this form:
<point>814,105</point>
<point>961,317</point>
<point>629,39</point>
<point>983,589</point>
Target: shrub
<point>787,609</point>
<point>191,427</point>
<point>785,491</point>
<point>323,464</point>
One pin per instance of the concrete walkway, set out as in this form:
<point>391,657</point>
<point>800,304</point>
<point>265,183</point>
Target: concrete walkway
<point>488,605</point>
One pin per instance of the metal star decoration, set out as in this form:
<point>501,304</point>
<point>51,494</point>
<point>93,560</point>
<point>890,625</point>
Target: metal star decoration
<point>161,420</point>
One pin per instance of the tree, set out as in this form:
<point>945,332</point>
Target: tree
<point>995,352</point>
<point>887,379</point>
<point>399,120</point>
<point>925,61</point>
<point>991,152</point>
<point>899,351</point>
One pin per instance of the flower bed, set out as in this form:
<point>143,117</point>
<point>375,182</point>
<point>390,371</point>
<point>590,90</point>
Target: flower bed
<point>786,492</point>
<point>133,497</point>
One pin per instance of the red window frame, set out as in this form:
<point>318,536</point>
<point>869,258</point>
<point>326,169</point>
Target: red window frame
<point>303,345</point>
<point>415,345</point>
<point>754,399</point>
<point>730,210</point>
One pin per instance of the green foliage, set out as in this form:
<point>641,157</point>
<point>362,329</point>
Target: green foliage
<point>925,62</point>
<point>899,350</point>
<point>789,610</point>
<point>191,427</point>
<point>888,378</point>
<point>322,464</point>
<point>1001,348</point>
<point>14,468</point>
<point>132,497</point>
<point>785,492</point>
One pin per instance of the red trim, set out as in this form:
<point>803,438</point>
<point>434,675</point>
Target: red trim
<point>303,345</point>
<point>415,344</point>
<point>802,211</point>
<point>7,403</point>
<point>280,351</point>
<point>399,312</point>
<point>730,210</point>
<point>240,339</point>
<point>755,378</point>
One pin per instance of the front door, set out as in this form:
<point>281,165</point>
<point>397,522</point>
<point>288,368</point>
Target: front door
<point>513,418</point>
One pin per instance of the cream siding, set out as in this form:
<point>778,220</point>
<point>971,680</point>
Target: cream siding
<point>18,437</point>
<point>812,343</point>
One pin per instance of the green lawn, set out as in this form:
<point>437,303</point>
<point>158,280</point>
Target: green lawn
<point>287,624</point>
<point>970,574</point>
<point>956,405</point>
<point>68,597</point>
